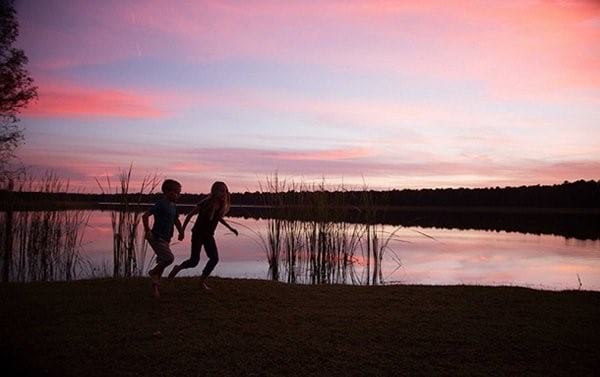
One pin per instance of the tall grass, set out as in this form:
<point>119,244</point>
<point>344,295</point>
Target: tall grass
<point>42,245</point>
<point>322,248</point>
<point>129,245</point>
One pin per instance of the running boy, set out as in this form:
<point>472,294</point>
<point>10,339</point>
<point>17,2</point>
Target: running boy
<point>165,216</point>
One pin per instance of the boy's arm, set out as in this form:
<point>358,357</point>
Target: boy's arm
<point>145,217</point>
<point>222,221</point>
<point>178,225</point>
<point>179,229</point>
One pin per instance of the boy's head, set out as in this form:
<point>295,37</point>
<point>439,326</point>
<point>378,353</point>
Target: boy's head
<point>171,188</point>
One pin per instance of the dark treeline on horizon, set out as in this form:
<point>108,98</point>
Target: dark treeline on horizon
<point>579,194</point>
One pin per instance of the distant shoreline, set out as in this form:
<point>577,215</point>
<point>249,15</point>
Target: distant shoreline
<point>578,223</point>
<point>568,197</point>
<point>90,205</point>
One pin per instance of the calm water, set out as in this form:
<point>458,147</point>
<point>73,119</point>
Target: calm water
<point>416,255</point>
<point>452,257</point>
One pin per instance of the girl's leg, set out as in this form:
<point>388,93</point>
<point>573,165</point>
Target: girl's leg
<point>210,246</point>
<point>194,257</point>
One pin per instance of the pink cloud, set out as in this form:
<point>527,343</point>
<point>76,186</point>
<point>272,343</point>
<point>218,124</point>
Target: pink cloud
<point>191,167</point>
<point>77,101</point>
<point>348,163</point>
<point>244,167</point>
<point>561,171</point>
<point>326,155</point>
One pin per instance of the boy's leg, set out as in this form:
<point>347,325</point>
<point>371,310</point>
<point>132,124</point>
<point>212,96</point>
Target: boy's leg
<point>158,246</point>
<point>165,259</point>
<point>164,256</point>
<point>154,246</point>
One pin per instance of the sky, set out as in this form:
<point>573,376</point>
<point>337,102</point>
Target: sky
<point>388,94</point>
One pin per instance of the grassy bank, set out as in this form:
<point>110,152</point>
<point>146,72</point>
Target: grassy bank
<point>260,328</point>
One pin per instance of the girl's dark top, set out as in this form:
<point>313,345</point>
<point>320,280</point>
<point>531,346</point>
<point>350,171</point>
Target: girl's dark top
<point>204,226</point>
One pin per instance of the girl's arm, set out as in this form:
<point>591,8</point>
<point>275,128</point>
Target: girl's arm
<point>222,221</point>
<point>189,217</point>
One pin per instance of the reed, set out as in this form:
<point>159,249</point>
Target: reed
<point>322,248</point>
<point>375,241</point>
<point>272,242</point>
<point>42,245</point>
<point>129,245</point>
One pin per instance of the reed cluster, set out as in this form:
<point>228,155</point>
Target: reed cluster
<point>129,245</point>
<point>316,245</point>
<point>41,245</point>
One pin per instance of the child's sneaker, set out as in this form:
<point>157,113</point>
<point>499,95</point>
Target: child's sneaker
<point>155,283</point>
<point>156,289</point>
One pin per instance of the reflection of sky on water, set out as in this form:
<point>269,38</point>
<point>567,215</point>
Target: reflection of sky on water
<point>481,257</point>
<point>454,257</point>
<point>239,256</point>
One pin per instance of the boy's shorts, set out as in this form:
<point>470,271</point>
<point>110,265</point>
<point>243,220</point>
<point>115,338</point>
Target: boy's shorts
<point>161,249</point>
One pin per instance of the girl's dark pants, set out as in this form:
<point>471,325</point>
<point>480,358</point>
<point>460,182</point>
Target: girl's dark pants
<point>198,240</point>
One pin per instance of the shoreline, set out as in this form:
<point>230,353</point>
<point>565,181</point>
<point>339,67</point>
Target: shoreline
<point>533,287</point>
<point>577,223</point>
<point>92,205</point>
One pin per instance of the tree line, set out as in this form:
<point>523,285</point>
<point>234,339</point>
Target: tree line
<point>579,194</point>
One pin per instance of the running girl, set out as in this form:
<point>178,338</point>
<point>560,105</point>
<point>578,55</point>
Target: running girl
<point>211,211</point>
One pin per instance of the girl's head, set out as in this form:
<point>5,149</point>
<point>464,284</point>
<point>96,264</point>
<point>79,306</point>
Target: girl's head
<point>220,194</point>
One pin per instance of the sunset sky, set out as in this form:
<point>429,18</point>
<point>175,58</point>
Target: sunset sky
<point>395,94</point>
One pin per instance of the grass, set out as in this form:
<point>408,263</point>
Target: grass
<point>260,328</point>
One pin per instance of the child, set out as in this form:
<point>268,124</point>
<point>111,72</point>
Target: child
<point>165,216</point>
<point>210,212</point>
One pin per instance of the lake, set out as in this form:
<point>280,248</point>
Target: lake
<point>429,252</point>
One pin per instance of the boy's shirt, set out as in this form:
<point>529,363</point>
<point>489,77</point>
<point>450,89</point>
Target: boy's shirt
<point>165,214</point>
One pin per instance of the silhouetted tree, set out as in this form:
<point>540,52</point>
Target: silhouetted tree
<point>16,86</point>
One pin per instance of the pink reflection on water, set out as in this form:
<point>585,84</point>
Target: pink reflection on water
<point>239,256</point>
<point>454,257</point>
<point>498,258</point>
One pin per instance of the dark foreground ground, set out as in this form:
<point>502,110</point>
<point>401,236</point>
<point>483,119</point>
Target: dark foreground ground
<point>260,328</point>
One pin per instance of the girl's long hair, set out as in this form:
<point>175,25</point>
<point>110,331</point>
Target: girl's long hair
<point>224,206</point>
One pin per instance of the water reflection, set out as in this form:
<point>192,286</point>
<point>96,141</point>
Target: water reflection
<point>55,245</point>
<point>318,252</point>
<point>501,258</point>
<point>579,224</point>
